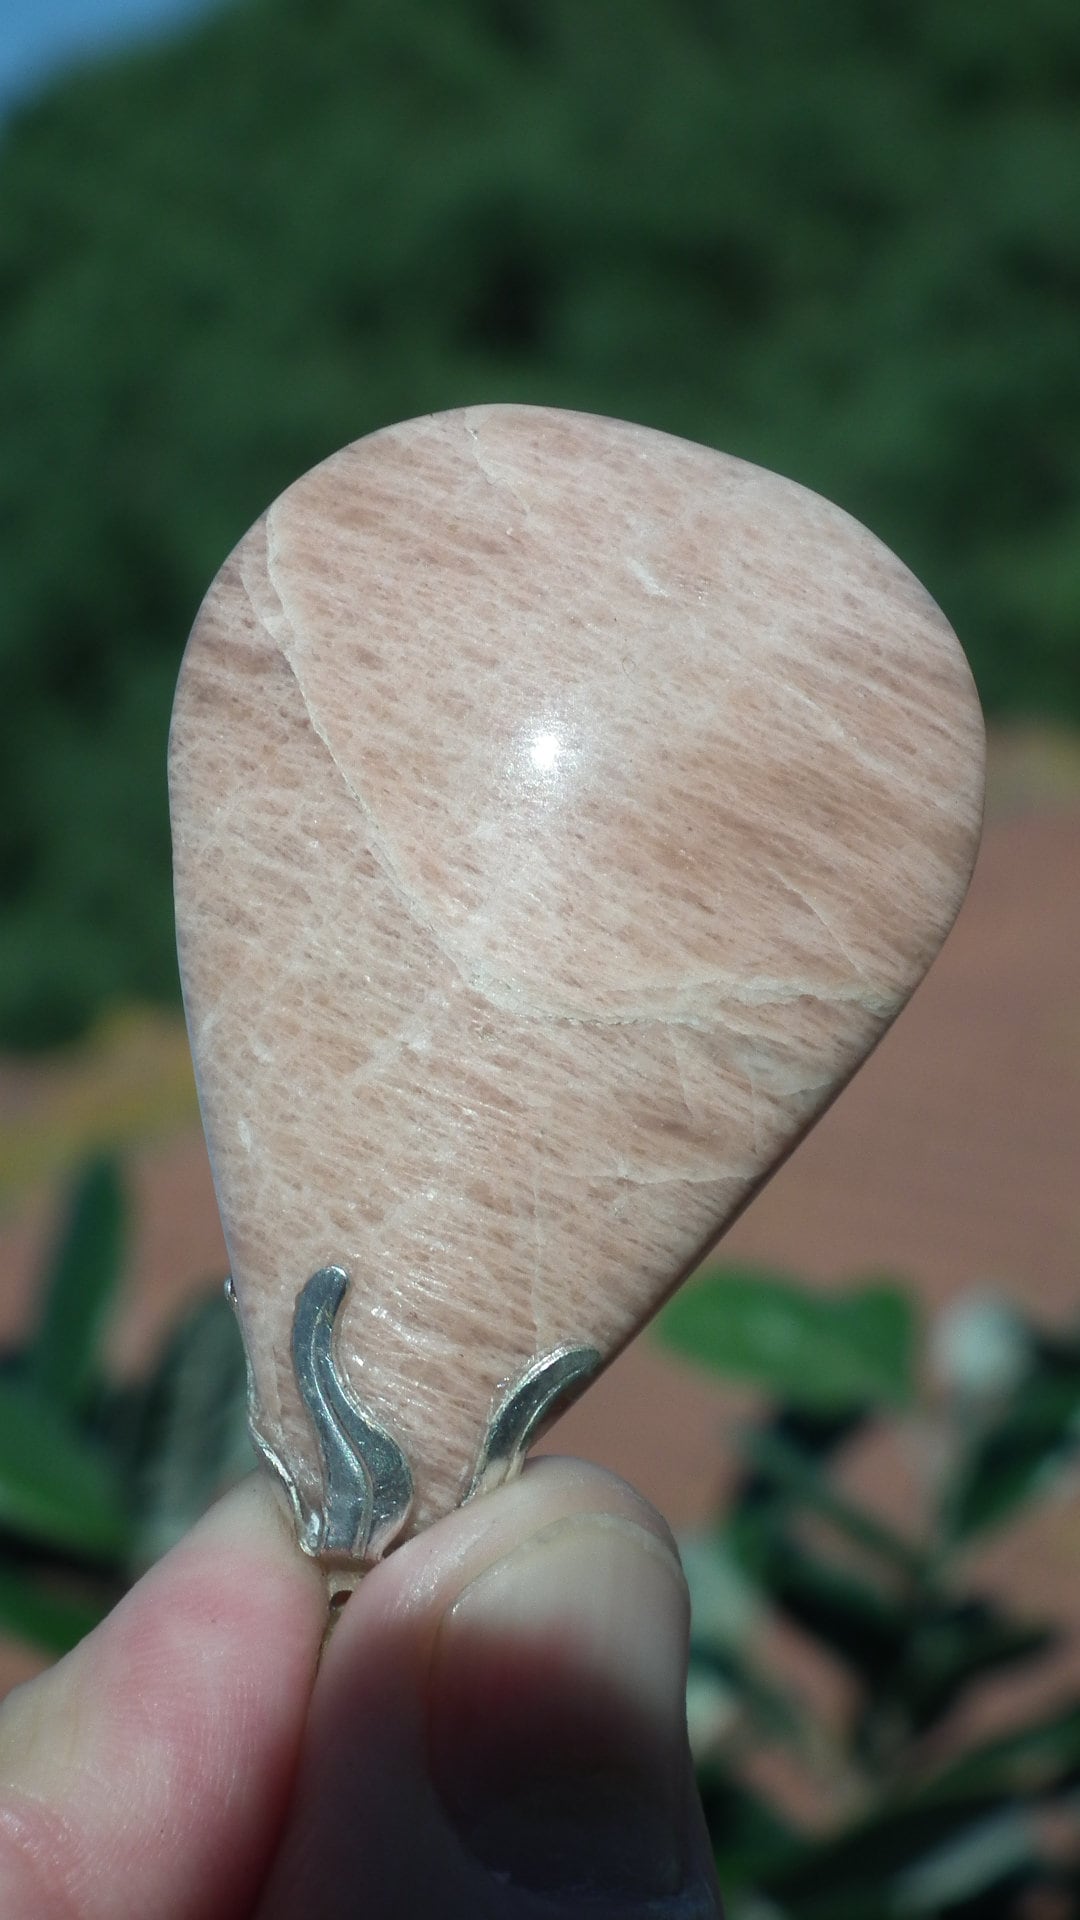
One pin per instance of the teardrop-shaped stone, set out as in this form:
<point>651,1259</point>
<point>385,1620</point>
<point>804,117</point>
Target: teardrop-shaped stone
<point>561,811</point>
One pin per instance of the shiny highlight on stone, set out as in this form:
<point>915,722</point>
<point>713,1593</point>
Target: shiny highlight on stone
<point>561,813</point>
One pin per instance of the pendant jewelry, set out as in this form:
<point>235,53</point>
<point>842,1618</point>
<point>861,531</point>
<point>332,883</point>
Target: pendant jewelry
<point>561,813</point>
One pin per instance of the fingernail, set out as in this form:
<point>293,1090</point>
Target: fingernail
<point>558,1716</point>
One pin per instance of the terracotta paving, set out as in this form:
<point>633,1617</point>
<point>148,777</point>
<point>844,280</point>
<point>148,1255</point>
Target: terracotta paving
<point>951,1160</point>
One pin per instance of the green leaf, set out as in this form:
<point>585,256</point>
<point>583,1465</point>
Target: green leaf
<point>862,1626</point>
<point>951,1645</point>
<point>777,1714</point>
<point>1032,1761</point>
<point>748,1834</point>
<point>56,1488</point>
<point>1023,1451</point>
<point>194,1437</point>
<point>829,1351</point>
<point>902,1859</point>
<point>914,1650</point>
<point>986,1856</point>
<point>784,1469</point>
<point>35,1610</point>
<point>727,1608</point>
<point>79,1288</point>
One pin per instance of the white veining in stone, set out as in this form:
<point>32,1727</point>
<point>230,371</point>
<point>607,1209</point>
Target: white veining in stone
<point>561,812</point>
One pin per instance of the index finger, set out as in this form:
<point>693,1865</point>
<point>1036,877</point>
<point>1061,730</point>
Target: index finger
<point>149,1771</point>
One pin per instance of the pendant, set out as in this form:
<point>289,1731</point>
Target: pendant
<point>561,813</point>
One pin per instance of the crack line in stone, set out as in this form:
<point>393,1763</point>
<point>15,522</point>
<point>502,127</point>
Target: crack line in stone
<point>493,479</point>
<point>502,994</point>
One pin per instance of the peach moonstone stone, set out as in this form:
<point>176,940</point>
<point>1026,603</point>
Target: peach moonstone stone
<point>562,811</point>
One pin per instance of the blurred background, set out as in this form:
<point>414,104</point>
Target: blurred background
<point>842,242</point>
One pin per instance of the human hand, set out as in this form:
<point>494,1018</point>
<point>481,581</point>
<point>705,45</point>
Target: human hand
<point>495,1730</point>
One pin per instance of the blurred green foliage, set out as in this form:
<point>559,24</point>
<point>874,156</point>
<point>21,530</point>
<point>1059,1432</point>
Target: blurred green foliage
<point>919,1810</point>
<point>98,1477</point>
<point>840,241</point>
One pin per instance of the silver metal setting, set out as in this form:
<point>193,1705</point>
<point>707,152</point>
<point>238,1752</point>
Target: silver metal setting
<point>367,1484</point>
<point>259,1441</point>
<point>367,1481</point>
<point>524,1407</point>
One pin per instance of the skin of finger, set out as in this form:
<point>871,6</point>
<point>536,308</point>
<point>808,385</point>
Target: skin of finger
<point>149,1771</point>
<point>364,1793</point>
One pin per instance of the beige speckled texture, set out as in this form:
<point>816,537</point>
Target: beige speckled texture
<point>561,813</point>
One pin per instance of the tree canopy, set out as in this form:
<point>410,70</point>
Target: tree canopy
<point>841,241</point>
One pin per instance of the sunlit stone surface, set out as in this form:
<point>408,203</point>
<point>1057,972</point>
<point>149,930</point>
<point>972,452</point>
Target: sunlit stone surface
<point>561,813</point>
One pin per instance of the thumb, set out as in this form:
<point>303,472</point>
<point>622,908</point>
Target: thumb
<point>498,1729</point>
